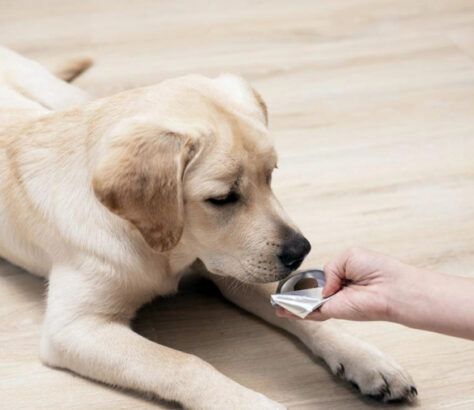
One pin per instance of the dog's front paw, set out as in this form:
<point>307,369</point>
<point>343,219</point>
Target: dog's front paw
<point>373,373</point>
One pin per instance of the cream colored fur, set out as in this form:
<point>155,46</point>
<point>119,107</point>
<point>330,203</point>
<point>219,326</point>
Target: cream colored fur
<point>107,200</point>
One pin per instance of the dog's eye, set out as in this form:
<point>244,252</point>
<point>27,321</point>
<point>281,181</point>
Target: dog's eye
<point>231,198</point>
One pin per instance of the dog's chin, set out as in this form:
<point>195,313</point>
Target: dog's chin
<point>248,275</point>
<point>264,277</point>
<point>253,277</point>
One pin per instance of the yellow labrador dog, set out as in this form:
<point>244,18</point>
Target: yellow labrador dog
<point>112,199</point>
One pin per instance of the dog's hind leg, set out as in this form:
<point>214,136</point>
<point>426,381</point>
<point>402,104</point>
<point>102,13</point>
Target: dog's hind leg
<point>71,69</point>
<point>36,83</point>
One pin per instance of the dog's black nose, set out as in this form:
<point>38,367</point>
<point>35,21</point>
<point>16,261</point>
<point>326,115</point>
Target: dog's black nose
<point>294,251</point>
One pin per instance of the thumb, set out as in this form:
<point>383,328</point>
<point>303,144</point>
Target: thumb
<point>334,278</point>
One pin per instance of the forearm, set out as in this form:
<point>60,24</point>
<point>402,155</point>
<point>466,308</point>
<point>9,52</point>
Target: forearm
<point>434,302</point>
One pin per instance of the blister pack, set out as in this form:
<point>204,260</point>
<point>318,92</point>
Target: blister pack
<point>301,293</point>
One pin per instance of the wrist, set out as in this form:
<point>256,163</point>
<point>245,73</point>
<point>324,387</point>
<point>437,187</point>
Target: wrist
<point>410,288</point>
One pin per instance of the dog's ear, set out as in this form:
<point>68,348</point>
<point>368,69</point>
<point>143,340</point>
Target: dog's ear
<point>262,105</point>
<point>141,180</point>
<point>243,93</point>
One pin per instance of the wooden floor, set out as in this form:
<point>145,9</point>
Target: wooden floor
<point>372,109</point>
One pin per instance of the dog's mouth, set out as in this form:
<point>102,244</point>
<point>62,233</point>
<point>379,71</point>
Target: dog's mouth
<point>266,276</point>
<point>277,272</point>
<point>258,269</point>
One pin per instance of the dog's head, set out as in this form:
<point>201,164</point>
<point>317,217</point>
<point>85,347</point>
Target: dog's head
<point>190,167</point>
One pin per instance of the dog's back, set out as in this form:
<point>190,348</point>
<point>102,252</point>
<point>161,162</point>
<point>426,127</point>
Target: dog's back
<point>27,92</point>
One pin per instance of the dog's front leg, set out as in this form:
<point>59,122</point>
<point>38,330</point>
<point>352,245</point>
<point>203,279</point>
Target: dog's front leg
<point>80,334</point>
<point>374,372</point>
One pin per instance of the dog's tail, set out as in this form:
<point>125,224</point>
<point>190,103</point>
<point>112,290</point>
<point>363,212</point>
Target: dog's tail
<point>71,69</point>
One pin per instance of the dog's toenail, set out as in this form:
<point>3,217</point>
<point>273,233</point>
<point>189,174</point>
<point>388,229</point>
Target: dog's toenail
<point>385,391</point>
<point>340,371</point>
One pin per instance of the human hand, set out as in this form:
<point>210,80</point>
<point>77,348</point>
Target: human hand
<point>365,282</point>
<point>370,286</point>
